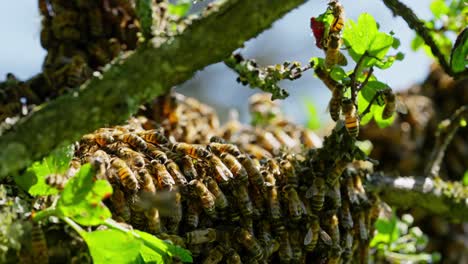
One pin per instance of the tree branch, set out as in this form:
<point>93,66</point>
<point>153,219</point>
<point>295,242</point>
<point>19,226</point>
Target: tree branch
<point>417,25</point>
<point>449,199</point>
<point>137,78</point>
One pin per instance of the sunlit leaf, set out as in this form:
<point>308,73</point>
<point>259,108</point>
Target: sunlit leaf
<point>366,146</point>
<point>417,43</point>
<point>112,246</point>
<point>82,198</point>
<point>180,9</point>
<point>459,54</point>
<point>145,16</point>
<point>371,89</point>
<point>164,248</point>
<point>465,178</point>
<point>338,74</point>
<point>439,8</point>
<point>362,104</point>
<point>359,36</point>
<point>33,180</point>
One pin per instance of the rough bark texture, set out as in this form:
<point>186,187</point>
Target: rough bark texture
<point>136,78</point>
<point>433,195</point>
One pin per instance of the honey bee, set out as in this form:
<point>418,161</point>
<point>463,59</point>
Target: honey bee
<point>317,194</point>
<point>325,237</point>
<point>334,230</point>
<point>77,71</point>
<point>188,167</point>
<point>275,207</point>
<point>232,257</point>
<point>154,222</point>
<point>351,118</point>
<point>269,244</point>
<point>173,220</point>
<point>221,201</point>
<point>311,237</point>
<point>361,226</point>
<point>283,137</point>
<point>267,140</point>
<point>125,174</point>
<point>175,239</point>
<point>255,177</point>
<point>243,199</point>
<point>351,191</point>
<point>194,151</point>
<point>296,247</point>
<point>215,255</point>
<point>333,54</point>
<point>154,137</point>
<point>238,171</point>
<point>334,256</point>
<point>138,217</point>
<point>219,148</point>
<point>200,236</point>
<point>339,16</point>
<point>285,252</point>
<point>102,139</point>
<point>39,244</point>
<point>392,104</point>
<point>273,167</point>
<point>133,140</point>
<point>175,172</point>
<point>257,151</point>
<point>346,219</point>
<point>156,153</point>
<point>131,156</point>
<point>334,194</point>
<point>289,173</point>
<point>74,167</point>
<point>249,242</point>
<point>258,201</point>
<point>120,204</point>
<point>325,77</point>
<point>192,215</point>
<point>207,199</point>
<point>57,181</point>
<point>335,102</point>
<point>296,208</point>
<point>146,181</point>
<point>222,173</point>
<point>336,171</point>
<point>164,178</point>
<point>348,241</point>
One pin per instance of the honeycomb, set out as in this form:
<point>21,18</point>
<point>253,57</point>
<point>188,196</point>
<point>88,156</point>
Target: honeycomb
<point>270,192</point>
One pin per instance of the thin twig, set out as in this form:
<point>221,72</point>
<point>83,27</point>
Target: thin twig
<point>444,136</point>
<point>369,74</point>
<point>417,25</point>
<point>367,110</point>
<point>357,69</point>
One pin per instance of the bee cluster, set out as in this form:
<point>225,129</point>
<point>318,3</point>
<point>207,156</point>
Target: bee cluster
<point>81,36</point>
<point>253,194</point>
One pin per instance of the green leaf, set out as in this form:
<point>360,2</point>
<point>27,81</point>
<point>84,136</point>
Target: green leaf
<point>439,8</point>
<point>82,197</point>
<point>180,9</point>
<point>112,246</point>
<point>465,178</point>
<point>417,43</point>
<point>33,180</point>
<point>162,247</point>
<point>359,36</point>
<point>380,45</point>
<point>459,54</point>
<point>372,87</point>
<point>317,62</point>
<point>338,74</point>
<point>362,104</point>
<point>396,41</point>
<point>365,145</point>
<point>312,117</point>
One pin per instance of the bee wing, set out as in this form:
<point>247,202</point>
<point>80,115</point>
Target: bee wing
<point>401,107</point>
<point>309,193</point>
<point>341,59</point>
<point>308,237</point>
<point>325,238</point>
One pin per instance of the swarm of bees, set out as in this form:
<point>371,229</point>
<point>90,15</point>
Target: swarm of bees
<point>239,193</point>
<point>82,36</point>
